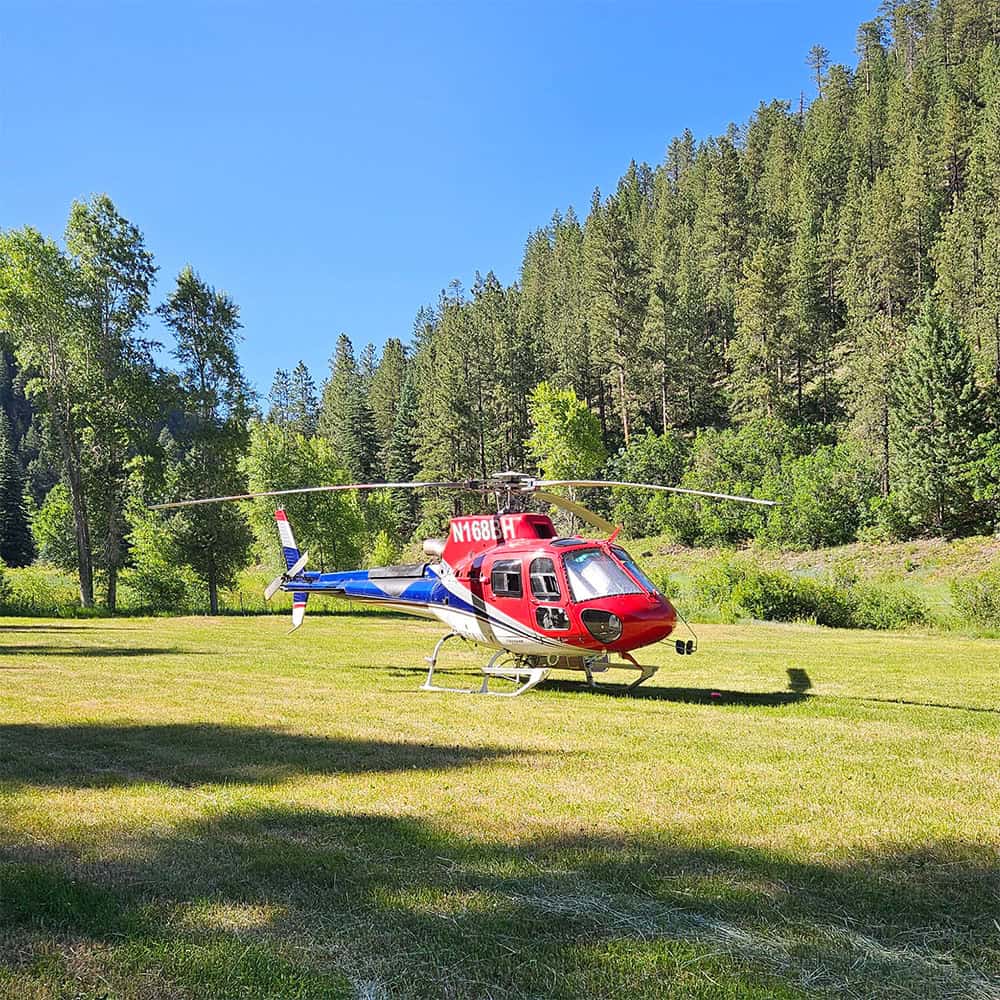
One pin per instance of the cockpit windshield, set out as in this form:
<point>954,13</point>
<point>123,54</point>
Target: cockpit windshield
<point>632,567</point>
<point>593,573</point>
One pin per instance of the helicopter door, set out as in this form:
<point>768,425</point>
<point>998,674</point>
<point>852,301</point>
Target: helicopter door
<point>507,590</point>
<point>547,609</point>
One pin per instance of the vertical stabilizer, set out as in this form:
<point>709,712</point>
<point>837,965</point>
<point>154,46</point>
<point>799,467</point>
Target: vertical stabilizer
<point>293,561</point>
<point>288,545</point>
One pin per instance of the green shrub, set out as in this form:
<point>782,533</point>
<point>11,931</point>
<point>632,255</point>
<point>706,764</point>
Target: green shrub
<point>43,590</point>
<point>158,580</point>
<point>170,588</point>
<point>739,589</point>
<point>53,527</point>
<point>736,461</point>
<point>822,496</point>
<point>885,607</point>
<point>650,458</point>
<point>977,598</point>
<point>385,551</point>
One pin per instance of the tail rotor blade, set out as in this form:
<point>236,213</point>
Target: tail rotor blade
<point>274,586</point>
<point>293,571</point>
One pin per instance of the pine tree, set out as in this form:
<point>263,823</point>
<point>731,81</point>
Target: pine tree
<point>818,60</point>
<point>303,404</point>
<point>616,276</point>
<point>384,393</point>
<point>280,398</point>
<point>367,364</point>
<point>967,256</point>
<point>721,232</point>
<point>17,547</point>
<point>400,458</point>
<point>937,415</point>
<point>760,351</point>
<point>345,415</point>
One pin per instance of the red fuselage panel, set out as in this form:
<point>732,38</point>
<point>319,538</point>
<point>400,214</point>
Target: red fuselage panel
<point>515,565</point>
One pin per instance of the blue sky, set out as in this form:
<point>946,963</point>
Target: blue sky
<point>333,166</point>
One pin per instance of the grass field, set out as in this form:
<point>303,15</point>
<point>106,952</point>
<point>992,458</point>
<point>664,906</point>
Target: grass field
<point>205,808</point>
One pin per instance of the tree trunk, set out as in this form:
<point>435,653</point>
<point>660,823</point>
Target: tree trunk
<point>798,385</point>
<point>996,346</point>
<point>213,593</point>
<point>482,432</point>
<point>84,560</point>
<point>624,403</point>
<point>663,398</point>
<point>114,555</point>
<point>885,448</point>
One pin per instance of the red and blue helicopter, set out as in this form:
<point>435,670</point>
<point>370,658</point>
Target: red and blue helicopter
<point>509,582</point>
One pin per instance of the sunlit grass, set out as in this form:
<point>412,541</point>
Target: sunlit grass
<point>210,808</point>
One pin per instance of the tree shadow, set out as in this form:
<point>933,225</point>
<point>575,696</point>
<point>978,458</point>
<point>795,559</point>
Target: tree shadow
<point>106,755</point>
<point>55,627</point>
<point>34,649</point>
<point>417,911</point>
<point>61,627</point>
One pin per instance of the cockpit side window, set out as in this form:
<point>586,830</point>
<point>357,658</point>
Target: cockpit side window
<point>544,581</point>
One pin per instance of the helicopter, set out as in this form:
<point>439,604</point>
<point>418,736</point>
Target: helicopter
<point>508,581</point>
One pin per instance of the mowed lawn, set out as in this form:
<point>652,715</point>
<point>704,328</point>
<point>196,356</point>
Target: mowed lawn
<point>207,808</point>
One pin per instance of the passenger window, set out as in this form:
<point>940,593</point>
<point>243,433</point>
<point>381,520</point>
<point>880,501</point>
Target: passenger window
<point>544,582</point>
<point>506,578</point>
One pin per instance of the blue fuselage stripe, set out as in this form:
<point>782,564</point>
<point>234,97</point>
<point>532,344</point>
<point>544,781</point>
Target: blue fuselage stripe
<point>424,592</point>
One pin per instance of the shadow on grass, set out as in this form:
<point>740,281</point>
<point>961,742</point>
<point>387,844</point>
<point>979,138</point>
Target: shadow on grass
<point>102,755</point>
<point>799,685</point>
<point>930,704</point>
<point>413,911</point>
<point>34,649</point>
<point>97,625</point>
<point>686,695</point>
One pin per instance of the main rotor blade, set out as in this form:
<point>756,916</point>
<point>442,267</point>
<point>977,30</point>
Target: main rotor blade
<point>597,483</point>
<point>574,508</point>
<point>319,489</point>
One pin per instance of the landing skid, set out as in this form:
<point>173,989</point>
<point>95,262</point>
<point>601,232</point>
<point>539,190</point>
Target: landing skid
<point>526,672</point>
<point>523,672</point>
<point>645,671</point>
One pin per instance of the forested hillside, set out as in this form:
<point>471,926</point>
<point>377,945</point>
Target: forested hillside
<point>805,308</point>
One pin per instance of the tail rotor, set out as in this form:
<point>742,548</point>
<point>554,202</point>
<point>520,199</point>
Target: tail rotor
<point>295,563</point>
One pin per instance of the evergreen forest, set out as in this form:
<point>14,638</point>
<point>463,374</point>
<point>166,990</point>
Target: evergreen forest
<point>805,308</point>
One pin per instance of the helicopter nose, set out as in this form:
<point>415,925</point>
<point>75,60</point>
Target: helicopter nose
<point>644,626</point>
